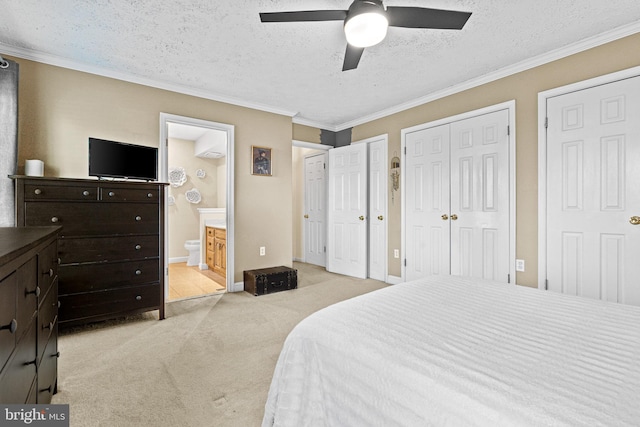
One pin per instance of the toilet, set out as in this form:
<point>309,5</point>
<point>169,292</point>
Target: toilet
<point>193,246</point>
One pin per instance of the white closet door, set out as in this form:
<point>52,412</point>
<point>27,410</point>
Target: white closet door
<point>315,209</point>
<point>427,203</point>
<point>378,210</point>
<point>593,192</point>
<point>347,211</point>
<point>480,196</point>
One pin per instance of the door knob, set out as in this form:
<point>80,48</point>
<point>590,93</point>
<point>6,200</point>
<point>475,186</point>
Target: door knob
<point>380,217</point>
<point>306,216</point>
<point>361,218</point>
<point>635,220</point>
<point>444,217</point>
<point>454,217</point>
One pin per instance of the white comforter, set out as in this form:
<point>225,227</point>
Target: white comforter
<point>450,351</point>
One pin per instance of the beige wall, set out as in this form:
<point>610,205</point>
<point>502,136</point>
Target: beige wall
<point>306,133</point>
<point>524,88</point>
<point>184,218</point>
<point>60,108</point>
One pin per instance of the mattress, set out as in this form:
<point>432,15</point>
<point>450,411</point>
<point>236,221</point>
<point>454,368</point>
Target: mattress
<point>453,351</point>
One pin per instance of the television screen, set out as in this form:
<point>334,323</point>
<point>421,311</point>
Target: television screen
<point>119,160</point>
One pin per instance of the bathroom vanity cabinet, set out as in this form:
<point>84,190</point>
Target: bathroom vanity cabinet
<point>111,244</point>
<point>217,250</point>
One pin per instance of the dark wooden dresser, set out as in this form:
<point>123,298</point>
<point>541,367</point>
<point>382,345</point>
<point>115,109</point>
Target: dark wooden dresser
<point>111,243</point>
<point>28,314</point>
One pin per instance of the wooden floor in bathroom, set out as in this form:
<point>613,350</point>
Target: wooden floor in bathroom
<point>187,282</point>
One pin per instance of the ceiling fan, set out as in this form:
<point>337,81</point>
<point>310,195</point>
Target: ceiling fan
<point>366,22</point>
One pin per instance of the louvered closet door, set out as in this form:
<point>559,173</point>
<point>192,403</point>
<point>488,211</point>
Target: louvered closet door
<point>593,192</point>
<point>480,196</point>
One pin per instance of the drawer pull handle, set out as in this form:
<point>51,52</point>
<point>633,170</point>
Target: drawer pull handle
<point>48,389</point>
<point>59,304</point>
<point>54,219</point>
<point>50,272</point>
<point>138,247</point>
<point>49,326</point>
<point>38,191</point>
<point>35,292</point>
<point>111,194</point>
<point>85,193</point>
<point>138,272</point>
<point>33,362</point>
<point>59,261</point>
<point>56,354</point>
<point>138,298</point>
<point>12,326</point>
<point>138,218</point>
<point>149,195</point>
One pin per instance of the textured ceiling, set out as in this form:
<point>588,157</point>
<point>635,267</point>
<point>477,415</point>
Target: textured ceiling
<point>219,49</point>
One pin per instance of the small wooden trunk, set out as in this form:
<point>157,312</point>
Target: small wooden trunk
<point>269,280</point>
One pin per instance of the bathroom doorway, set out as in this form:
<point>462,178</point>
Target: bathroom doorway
<point>196,159</point>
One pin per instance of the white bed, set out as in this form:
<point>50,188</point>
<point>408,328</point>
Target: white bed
<point>452,351</point>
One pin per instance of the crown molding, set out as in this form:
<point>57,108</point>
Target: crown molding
<point>554,55</point>
<point>315,124</point>
<point>185,90</point>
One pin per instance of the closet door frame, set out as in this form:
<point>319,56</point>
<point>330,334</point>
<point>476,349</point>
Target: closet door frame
<point>511,107</point>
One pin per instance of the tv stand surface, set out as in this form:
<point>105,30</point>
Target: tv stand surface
<point>111,243</point>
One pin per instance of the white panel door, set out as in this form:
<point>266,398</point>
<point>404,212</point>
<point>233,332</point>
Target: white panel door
<point>427,203</point>
<point>593,192</point>
<point>378,210</point>
<point>347,211</point>
<point>480,197</point>
<point>315,215</point>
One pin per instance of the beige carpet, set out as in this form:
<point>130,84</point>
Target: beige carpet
<point>209,363</point>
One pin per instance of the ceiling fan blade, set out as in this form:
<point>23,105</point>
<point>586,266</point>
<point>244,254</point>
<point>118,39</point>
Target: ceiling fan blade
<point>352,57</point>
<point>422,17</point>
<point>307,15</point>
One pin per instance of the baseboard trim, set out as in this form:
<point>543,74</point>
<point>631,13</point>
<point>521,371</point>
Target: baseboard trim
<point>178,259</point>
<point>237,287</point>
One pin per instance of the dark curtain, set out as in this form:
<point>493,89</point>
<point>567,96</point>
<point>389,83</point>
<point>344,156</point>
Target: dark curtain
<point>8,139</point>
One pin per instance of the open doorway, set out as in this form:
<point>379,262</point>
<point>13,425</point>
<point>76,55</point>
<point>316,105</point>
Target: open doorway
<point>196,159</point>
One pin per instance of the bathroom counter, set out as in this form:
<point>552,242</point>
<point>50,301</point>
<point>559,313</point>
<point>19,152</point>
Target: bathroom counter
<point>215,224</point>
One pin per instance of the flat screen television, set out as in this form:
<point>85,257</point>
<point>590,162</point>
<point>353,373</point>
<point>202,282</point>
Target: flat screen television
<point>119,160</point>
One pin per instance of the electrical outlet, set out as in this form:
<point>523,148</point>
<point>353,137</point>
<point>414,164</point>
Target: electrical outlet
<point>519,265</point>
<point>263,251</point>
<point>396,253</point>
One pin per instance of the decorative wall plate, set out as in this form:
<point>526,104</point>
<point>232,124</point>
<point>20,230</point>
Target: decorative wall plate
<point>193,196</point>
<point>177,177</point>
<point>200,173</point>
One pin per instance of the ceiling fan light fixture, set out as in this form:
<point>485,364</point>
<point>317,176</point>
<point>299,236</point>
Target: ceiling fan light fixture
<point>366,24</point>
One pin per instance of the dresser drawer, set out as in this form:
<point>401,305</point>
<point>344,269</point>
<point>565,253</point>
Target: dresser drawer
<point>17,379</point>
<point>27,293</point>
<point>48,369</point>
<point>47,267</point>
<point>96,249</point>
<point>8,320</point>
<point>47,318</point>
<point>38,191</point>
<point>109,303</point>
<point>119,194</point>
<point>92,277</point>
<point>220,233</point>
<point>94,219</point>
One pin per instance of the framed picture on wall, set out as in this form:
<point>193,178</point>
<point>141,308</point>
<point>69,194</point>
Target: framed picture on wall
<point>261,163</point>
